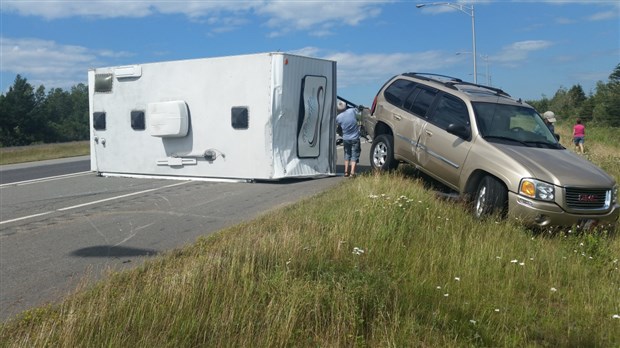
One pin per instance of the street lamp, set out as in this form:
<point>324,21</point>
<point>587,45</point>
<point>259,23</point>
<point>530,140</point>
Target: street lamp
<point>486,62</point>
<point>468,10</point>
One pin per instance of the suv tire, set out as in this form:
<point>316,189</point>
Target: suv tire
<point>491,198</point>
<point>382,153</point>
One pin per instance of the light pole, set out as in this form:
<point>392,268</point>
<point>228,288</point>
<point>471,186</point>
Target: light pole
<point>486,63</point>
<point>468,10</point>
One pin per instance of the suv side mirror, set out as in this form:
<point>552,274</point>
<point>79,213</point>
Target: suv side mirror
<point>459,130</point>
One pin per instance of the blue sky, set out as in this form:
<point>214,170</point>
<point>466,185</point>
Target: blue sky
<point>530,48</point>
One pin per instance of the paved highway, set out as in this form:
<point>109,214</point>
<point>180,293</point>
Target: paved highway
<point>60,223</point>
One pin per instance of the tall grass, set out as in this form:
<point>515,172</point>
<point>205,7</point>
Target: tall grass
<point>602,146</point>
<point>379,262</point>
<point>20,154</point>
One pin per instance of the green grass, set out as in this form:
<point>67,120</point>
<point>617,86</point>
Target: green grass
<point>20,154</point>
<point>602,146</point>
<point>379,261</point>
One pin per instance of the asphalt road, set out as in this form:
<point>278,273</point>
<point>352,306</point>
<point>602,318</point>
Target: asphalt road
<point>60,224</point>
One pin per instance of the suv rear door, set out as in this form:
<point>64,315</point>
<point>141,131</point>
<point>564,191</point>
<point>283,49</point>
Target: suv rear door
<point>442,153</point>
<point>406,127</point>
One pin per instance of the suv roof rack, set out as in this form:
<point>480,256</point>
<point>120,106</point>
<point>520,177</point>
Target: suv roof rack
<point>452,82</point>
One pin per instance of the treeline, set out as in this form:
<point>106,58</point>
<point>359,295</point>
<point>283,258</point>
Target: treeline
<point>601,108</point>
<point>29,116</point>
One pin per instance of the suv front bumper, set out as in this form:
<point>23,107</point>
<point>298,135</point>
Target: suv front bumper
<point>546,214</point>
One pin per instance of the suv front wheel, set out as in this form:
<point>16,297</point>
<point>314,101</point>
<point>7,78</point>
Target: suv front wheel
<point>382,153</point>
<point>491,198</point>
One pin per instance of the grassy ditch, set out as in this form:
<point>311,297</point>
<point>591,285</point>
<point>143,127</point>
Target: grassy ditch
<point>379,261</point>
<point>20,154</point>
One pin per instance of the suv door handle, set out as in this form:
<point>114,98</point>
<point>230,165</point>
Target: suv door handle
<point>429,133</point>
<point>398,117</point>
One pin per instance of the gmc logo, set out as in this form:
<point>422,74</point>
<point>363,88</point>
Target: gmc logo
<point>587,198</point>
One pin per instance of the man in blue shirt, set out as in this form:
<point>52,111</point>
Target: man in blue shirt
<point>347,121</point>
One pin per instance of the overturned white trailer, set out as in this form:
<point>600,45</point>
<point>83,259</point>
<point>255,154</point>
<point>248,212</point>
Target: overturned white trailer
<point>263,116</point>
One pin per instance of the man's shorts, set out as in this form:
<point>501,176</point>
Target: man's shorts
<point>352,149</point>
<point>578,140</point>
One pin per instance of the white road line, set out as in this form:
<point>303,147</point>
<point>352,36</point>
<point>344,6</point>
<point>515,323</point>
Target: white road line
<point>49,178</point>
<point>25,217</point>
<point>93,202</point>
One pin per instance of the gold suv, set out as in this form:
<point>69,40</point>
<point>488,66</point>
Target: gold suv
<point>493,150</point>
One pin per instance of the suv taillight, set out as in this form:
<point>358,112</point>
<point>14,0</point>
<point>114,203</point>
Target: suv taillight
<point>374,105</point>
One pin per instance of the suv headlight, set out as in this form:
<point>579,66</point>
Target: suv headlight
<point>537,189</point>
<point>614,194</point>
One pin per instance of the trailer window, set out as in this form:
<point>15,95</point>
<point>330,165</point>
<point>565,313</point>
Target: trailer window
<point>240,117</point>
<point>99,120</point>
<point>137,120</point>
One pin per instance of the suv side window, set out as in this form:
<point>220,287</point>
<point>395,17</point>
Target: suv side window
<point>420,101</point>
<point>398,91</point>
<point>450,109</point>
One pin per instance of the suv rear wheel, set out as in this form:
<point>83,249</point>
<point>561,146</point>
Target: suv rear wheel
<point>382,153</point>
<point>491,198</point>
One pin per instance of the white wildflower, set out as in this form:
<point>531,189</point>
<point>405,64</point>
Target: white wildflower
<point>514,261</point>
<point>472,321</point>
<point>358,251</point>
<point>497,309</point>
<point>521,263</point>
<point>438,287</point>
<point>446,295</point>
<point>554,289</point>
<point>457,279</point>
<point>615,316</point>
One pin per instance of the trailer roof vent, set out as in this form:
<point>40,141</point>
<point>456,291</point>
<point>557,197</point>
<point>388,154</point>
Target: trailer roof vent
<point>103,83</point>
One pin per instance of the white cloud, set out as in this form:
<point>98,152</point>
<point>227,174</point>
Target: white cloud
<point>519,51</point>
<point>374,68</point>
<point>318,17</point>
<point>49,63</point>
<point>601,16</point>
<point>50,9</point>
<point>321,16</point>
<point>53,9</point>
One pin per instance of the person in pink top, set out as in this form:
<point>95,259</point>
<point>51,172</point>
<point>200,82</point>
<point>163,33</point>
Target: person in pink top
<point>579,133</point>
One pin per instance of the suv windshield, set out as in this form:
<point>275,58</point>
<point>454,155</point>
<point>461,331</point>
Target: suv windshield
<point>514,124</point>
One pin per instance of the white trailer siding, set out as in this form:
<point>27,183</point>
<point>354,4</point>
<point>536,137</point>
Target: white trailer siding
<point>216,94</point>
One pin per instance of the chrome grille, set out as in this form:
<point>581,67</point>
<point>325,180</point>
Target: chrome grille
<point>587,199</point>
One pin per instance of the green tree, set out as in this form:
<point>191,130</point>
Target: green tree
<point>75,125</point>
<point>17,108</point>
<point>57,108</point>
<point>540,105</point>
<point>606,111</point>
